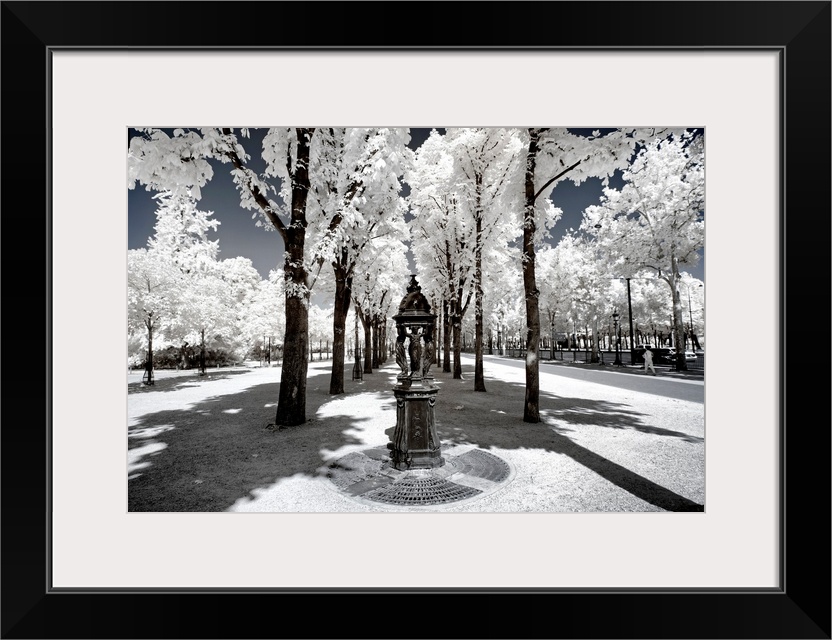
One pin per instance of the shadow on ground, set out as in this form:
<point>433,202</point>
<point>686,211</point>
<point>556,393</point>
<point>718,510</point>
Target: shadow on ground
<point>209,456</point>
<point>185,379</point>
<point>548,435</point>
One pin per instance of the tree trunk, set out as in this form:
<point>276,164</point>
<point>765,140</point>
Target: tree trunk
<point>596,356</point>
<point>437,332</point>
<point>531,409</point>
<point>343,293</point>
<point>457,329</point>
<point>355,354</point>
<point>382,344</point>
<point>678,322</point>
<point>479,375</point>
<point>368,346</point>
<point>446,338</point>
<point>202,353</point>
<point>382,341</point>
<point>291,405</point>
<point>149,364</point>
<point>375,327</point>
<point>551,336</point>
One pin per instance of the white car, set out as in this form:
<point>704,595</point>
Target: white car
<point>689,355</point>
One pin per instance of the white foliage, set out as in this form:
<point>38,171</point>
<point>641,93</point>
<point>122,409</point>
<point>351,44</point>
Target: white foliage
<point>657,219</point>
<point>356,220</point>
<point>381,277</point>
<point>181,231</point>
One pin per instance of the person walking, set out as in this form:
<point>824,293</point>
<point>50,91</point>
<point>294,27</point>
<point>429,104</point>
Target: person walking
<point>648,361</point>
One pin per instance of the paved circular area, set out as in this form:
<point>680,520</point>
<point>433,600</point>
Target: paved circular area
<point>468,474</point>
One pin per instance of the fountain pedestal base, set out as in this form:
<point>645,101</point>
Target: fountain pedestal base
<point>415,444</point>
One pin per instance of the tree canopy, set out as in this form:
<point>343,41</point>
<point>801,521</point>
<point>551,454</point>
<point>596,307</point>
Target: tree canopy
<point>472,209</point>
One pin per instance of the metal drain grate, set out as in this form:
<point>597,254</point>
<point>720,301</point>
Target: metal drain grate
<point>421,490</point>
<point>368,475</point>
<point>482,464</point>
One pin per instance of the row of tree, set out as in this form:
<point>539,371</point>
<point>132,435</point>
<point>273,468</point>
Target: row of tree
<point>178,291</point>
<point>476,220</point>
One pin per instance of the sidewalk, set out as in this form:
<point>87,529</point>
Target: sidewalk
<point>204,443</point>
<point>695,371</point>
<point>661,369</point>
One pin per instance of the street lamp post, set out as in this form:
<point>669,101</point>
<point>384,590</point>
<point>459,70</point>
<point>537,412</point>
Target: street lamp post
<point>630,315</point>
<point>690,319</point>
<point>617,339</point>
<point>690,314</point>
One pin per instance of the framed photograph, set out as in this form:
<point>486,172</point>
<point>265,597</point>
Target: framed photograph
<point>755,76</point>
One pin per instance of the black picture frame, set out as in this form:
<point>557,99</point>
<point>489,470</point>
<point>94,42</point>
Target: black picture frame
<point>799,608</point>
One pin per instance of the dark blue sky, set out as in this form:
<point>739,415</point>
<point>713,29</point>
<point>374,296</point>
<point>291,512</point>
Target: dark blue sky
<point>238,236</point>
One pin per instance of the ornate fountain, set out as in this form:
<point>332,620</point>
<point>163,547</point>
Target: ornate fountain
<point>415,444</point>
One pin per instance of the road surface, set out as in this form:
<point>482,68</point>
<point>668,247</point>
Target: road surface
<point>663,384</point>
